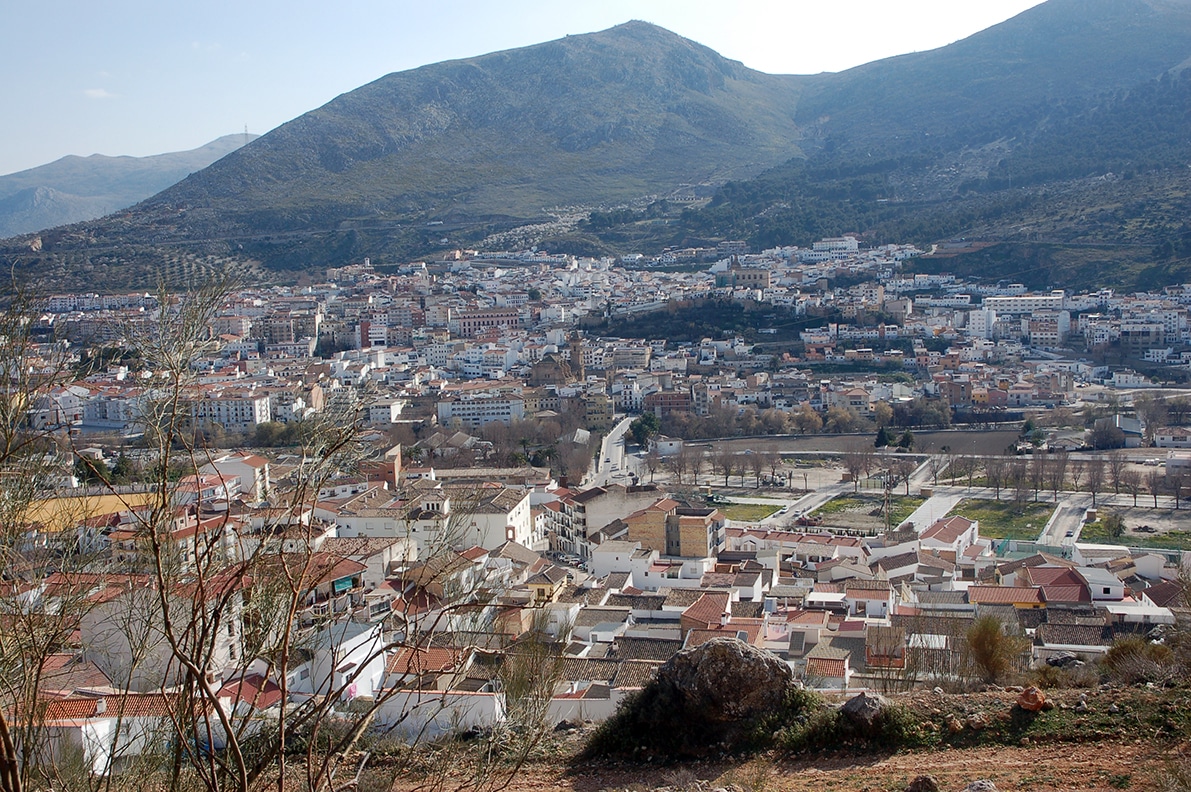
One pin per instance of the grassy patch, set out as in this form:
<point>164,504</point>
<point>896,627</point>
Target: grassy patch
<point>747,512</point>
<point>900,506</point>
<point>1006,519</point>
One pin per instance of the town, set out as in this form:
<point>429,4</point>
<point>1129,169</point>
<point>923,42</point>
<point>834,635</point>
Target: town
<point>376,490</point>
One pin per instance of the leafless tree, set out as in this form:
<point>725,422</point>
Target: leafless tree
<point>1155,483</point>
<point>857,463</point>
<point>1095,470</point>
<point>192,621</point>
<point>1131,481</point>
<point>904,470</point>
<point>652,462</point>
<point>1037,472</point>
<point>994,473</point>
<point>1117,461</point>
<point>1078,469</point>
<point>1152,411</point>
<point>773,460</point>
<point>757,463</point>
<point>972,466</point>
<point>1019,477</point>
<point>937,464</point>
<point>724,461</point>
<point>1057,472</point>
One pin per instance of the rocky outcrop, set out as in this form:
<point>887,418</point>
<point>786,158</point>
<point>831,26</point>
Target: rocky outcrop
<point>725,680</point>
<point>864,709</point>
<point>724,695</point>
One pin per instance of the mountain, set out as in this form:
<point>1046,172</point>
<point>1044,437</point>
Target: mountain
<point>1008,135</point>
<point>73,188</point>
<point>1058,139</point>
<point>1001,80</point>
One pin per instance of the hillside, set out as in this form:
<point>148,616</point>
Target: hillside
<point>1002,81</point>
<point>1129,738</point>
<point>1063,127</point>
<point>73,189</point>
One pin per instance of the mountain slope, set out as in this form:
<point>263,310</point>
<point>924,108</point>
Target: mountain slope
<point>1001,80</point>
<point>917,147</point>
<point>74,188</point>
<point>605,117</point>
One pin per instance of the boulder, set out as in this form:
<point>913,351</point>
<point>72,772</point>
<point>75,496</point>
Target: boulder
<point>1062,660</point>
<point>977,721</point>
<point>863,709</point>
<point>923,783</point>
<point>982,785</point>
<point>716,697</point>
<point>954,724</point>
<point>1031,699</point>
<point>726,680</point>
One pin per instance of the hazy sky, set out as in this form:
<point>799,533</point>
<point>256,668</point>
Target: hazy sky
<point>148,76</point>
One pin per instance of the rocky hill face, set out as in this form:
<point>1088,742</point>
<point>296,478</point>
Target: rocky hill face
<point>632,114</point>
<point>73,189</point>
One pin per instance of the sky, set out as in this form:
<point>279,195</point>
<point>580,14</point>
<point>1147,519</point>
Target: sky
<point>141,77</point>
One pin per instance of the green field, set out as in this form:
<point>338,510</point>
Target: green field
<point>1006,519</point>
<point>747,512</point>
<point>1096,533</point>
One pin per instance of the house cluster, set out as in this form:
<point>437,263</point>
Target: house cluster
<point>414,587</point>
<point>492,337</point>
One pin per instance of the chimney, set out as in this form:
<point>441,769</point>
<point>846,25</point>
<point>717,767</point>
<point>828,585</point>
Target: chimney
<point>725,617</point>
<point>101,706</point>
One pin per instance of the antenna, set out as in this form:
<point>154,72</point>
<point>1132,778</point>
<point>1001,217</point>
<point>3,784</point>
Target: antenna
<point>246,134</point>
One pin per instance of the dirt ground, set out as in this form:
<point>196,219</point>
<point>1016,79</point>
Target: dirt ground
<point>1096,751</point>
<point>867,516</point>
<point>1099,767</point>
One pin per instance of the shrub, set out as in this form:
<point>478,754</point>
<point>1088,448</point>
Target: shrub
<point>992,652</point>
<point>827,728</point>
<point>1134,659</point>
<point>1053,677</point>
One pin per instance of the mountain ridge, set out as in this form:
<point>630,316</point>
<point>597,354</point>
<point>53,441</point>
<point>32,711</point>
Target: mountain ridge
<point>77,188</point>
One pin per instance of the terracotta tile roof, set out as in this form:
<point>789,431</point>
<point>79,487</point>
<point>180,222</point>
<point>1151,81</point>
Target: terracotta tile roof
<point>414,661</point>
<point>1064,593</point>
<point>1008,595</point>
<point>948,529</point>
<point>873,586</point>
<point>255,690</point>
<point>638,648</point>
<point>1165,594</point>
<point>591,616</point>
<point>1049,576</point>
<point>617,673</point>
<point>708,609</point>
<point>123,705</point>
<point>681,597</point>
<point>1074,634</point>
<point>651,602</point>
<point>826,667</point>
